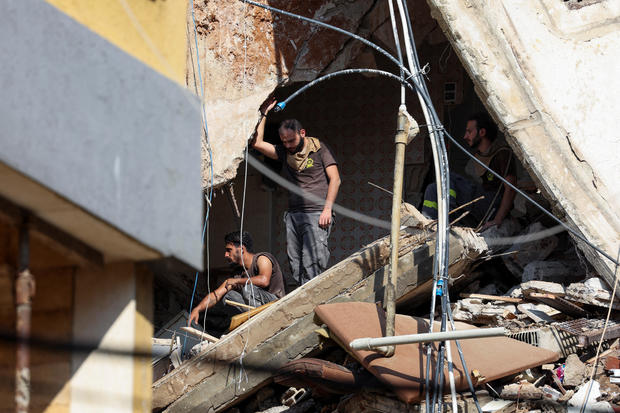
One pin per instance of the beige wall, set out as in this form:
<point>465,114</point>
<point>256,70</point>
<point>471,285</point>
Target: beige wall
<point>107,315</point>
<point>81,306</point>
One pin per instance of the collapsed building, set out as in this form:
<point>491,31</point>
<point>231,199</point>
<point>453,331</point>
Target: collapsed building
<point>479,56</point>
<point>544,69</point>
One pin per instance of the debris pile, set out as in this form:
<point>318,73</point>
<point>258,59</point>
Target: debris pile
<point>559,306</point>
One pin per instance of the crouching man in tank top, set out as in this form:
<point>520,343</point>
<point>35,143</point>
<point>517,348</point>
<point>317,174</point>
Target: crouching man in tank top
<point>259,282</point>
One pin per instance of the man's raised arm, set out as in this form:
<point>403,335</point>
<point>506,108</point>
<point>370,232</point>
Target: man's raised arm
<point>266,148</point>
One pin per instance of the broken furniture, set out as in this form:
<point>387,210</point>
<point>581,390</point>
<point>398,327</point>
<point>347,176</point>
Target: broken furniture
<point>493,357</point>
<point>590,331</point>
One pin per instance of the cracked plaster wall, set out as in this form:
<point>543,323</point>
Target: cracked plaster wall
<point>246,52</point>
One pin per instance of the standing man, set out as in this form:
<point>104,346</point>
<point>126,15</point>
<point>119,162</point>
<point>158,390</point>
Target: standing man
<point>310,165</point>
<point>481,134</point>
<point>259,282</point>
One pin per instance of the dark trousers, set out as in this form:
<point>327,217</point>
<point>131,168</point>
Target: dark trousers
<point>306,245</point>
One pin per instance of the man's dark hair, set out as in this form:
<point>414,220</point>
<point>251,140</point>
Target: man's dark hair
<point>292,124</point>
<point>484,121</point>
<point>235,238</point>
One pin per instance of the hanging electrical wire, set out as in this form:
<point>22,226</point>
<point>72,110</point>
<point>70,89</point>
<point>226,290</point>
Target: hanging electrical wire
<point>209,198</point>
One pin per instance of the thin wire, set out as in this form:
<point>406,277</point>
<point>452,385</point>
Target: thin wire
<point>540,207</point>
<point>600,343</point>
<point>147,39</point>
<point>210,198</point>
<point>346,72</point>
<point>204,319</point>
<point>339,209</point>
<point>245,173</point>
<point>242,371</point>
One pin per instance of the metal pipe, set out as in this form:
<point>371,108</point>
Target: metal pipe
<point>402,133</point>
<point>24,291</point>
<point>369,343</point>
<point>398,52</point>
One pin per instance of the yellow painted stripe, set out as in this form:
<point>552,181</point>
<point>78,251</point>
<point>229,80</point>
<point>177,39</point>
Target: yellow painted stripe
<point>163,23</point>
<point>430,204</point>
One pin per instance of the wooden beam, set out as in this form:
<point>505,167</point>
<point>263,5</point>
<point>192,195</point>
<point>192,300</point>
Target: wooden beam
<point>240,305</point>
<point>200,334</point>
<point>492,298</point>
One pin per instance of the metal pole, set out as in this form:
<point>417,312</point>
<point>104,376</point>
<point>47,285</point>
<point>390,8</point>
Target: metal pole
<point>402,133</point>
<point>24,291</point>
<point>368,343</point>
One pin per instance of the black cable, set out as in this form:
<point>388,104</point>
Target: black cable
<point>390,75</point>
<point>462,356</point>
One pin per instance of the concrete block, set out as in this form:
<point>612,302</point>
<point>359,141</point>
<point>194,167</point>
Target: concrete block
<point>542,287</point>
<point>574,371</point>
<point>553,271</point>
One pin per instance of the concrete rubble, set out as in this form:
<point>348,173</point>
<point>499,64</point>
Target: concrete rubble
<point>245,370</point>
<point>560,386</point>
<point>287,330</point>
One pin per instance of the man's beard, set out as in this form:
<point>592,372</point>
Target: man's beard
<point>298,147</point>
<point>476,141</point>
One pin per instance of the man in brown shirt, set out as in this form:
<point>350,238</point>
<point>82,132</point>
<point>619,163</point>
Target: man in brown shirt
<point>259,282</point>
<point>309,165</point>
<point>481,134</point>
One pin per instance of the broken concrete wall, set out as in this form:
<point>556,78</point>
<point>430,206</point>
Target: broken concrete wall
<point>246,52</point>
<point>547,71</point>
<point>354,115</point>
